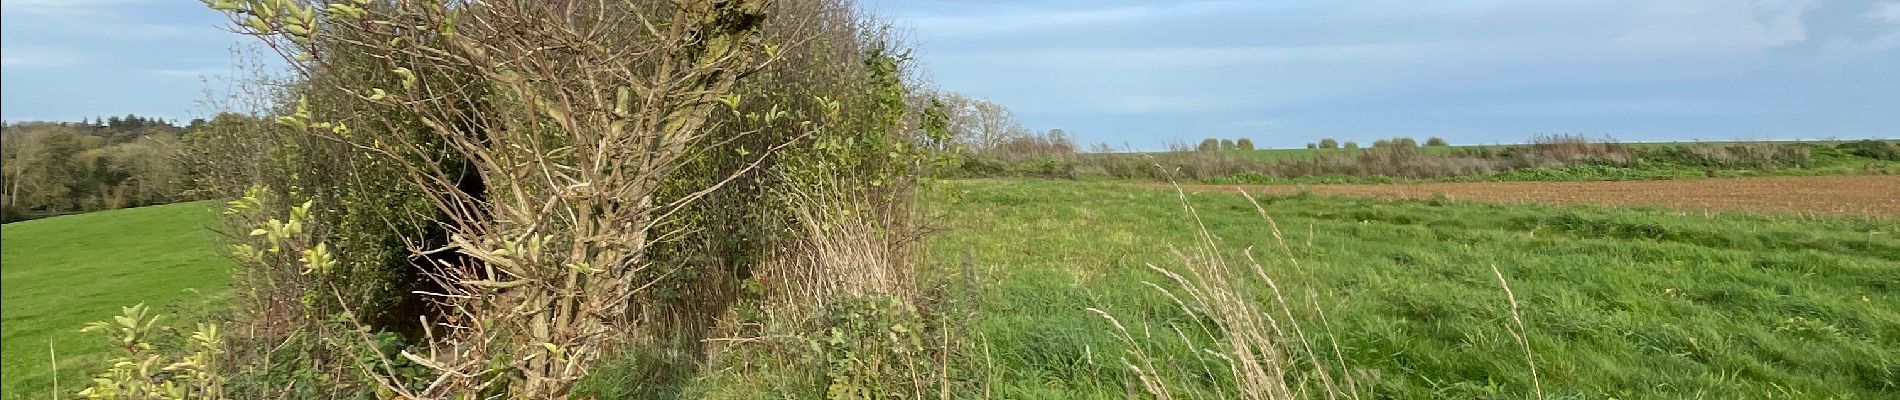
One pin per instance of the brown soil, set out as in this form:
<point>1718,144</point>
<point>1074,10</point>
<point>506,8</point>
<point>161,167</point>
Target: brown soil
<point>1845,195</point>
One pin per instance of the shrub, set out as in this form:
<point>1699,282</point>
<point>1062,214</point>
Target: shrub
<point>1244,144</point>
<point>1047,168</point>
<point>1563,149</point>
<point>1352,145</point>
<point>10,213</point>
<point>1328,143</point>
<point>1227,144</point>
<point>1756,155</point>
<point>1871,148</point>
<point>1311,145</point>
<point>973,166</point>
<point>1209,144</point>
<point>710,158</point>
<point>147,371</point>
<point>1053,144</point>
<point>1436,142</point>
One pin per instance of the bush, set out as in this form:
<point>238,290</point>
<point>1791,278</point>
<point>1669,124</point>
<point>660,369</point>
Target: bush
<point>1564,149</point>
<point>1875,149</point>
<point>1244,144</point>
<point>1310,145</point>
<point>9,213</point>
<point>1760,156</point>
<point>697,160</point>
<point>1227,144</point>
<point>1052,144</point>
<point>1047,168</point>
<point>1328,143</point>
<point>1352,145</point>
<point>1209,144</point>
<point>972,166</point>
<point>1436,142</point>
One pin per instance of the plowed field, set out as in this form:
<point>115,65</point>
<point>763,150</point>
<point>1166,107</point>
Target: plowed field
<point>1840,195</point>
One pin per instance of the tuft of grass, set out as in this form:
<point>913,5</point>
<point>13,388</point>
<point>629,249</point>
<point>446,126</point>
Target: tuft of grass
<point>60,273</point>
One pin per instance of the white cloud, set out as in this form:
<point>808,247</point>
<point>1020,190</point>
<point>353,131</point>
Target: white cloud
<point>1888,12</point>
<point>1703,24</point>
<point>37,57</point>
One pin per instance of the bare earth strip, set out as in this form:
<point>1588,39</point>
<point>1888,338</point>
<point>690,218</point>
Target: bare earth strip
<point>1841,195</point>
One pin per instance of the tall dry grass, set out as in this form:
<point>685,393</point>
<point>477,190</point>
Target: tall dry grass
<point>1265,347</point>
<point>845,248</point>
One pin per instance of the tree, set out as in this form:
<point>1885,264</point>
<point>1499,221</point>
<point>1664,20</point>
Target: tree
<point>980,125</point>
<point>150,175</point>
<point>994,125</point>
<point>1227,144</point>
<point>1436,142</point>
<point>1311,145</point>
<point>42,166</point>
<point>1352,145</point>
<point>1244,144</point>
<point>1328,143</point>
<point>1209,144</point>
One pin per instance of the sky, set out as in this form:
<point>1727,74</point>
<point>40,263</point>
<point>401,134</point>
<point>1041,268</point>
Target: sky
<point>1143,74</point>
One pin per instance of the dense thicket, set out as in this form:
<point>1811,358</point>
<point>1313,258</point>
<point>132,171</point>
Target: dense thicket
<point>511,192</point>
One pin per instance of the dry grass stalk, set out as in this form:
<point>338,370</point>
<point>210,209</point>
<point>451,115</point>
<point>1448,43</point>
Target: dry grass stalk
<point>1255,343</point>
<point>844,249</point>
<point>1518,333</point>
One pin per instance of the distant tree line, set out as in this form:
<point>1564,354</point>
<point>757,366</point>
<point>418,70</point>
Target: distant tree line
<point>53,168</point>
<point>1215,144</point>
<point>1400,142</point>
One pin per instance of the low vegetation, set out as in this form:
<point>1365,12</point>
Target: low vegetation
<point>1545,158</point>
<point>65,271</point>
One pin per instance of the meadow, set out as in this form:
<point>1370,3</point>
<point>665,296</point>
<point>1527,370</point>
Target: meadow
<point>63,272</point>
<point>1618,303</point>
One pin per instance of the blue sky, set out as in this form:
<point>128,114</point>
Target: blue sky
<point>1147,72</point>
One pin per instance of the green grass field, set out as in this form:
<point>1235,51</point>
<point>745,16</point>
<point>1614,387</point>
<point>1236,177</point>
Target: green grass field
<point>1618,303</point>
<point>60,273</point>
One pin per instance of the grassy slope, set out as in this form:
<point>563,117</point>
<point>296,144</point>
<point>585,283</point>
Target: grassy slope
<point>62,272</point>
<point>1619,303</point>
